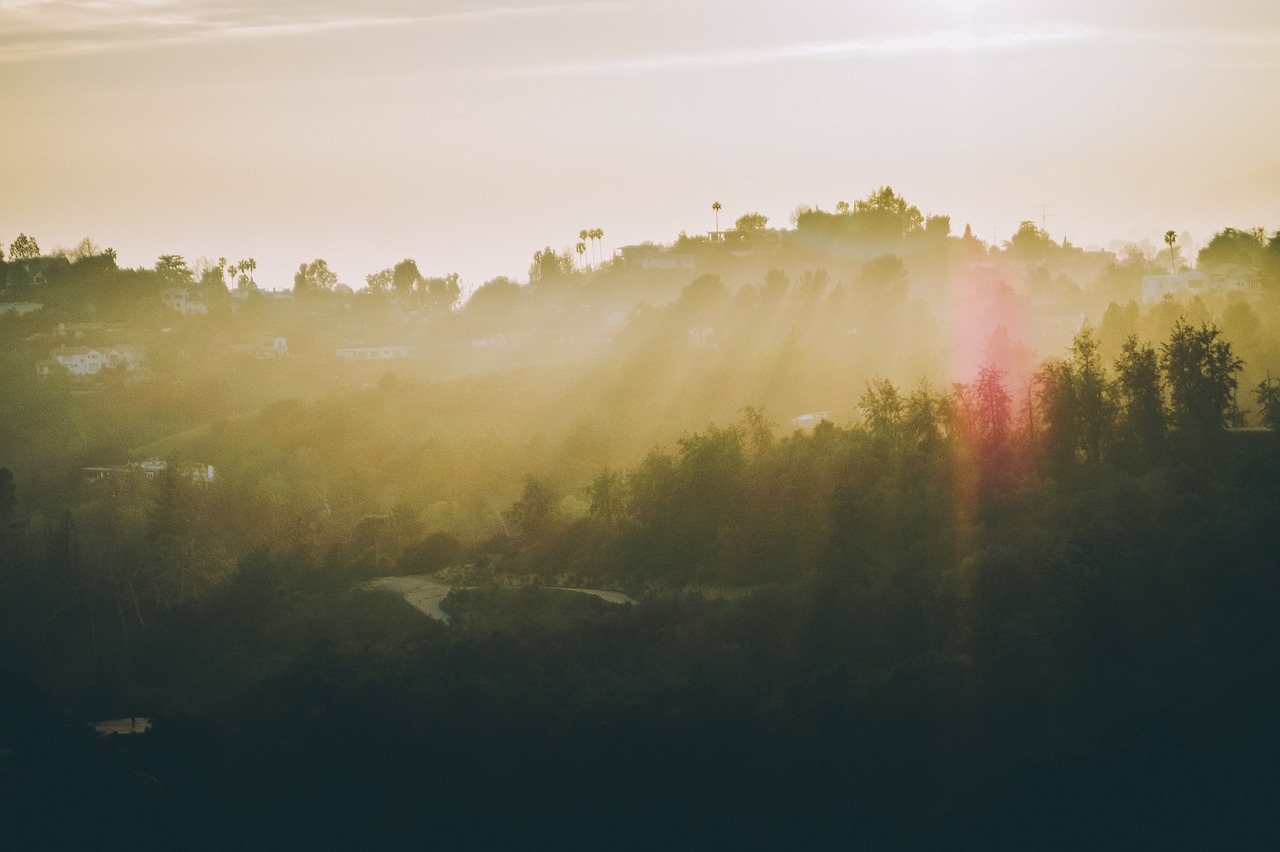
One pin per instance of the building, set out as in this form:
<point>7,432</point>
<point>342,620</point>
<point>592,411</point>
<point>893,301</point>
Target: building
<point>184,301</point>
<point>1223,279</point>
<point>19,308</point>
<point>809,419</point>
<point>653,256</point>
<point>200,474</point>
<point>83,361</point>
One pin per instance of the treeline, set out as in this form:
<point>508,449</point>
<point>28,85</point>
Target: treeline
<point>946,656</point>
<point>947,622</point>
<point>735,505</point>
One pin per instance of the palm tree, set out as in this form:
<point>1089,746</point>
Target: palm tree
<point>596,234</point>
<point>715,205</point>
<point>581,248</point>
<point>1170,237</point>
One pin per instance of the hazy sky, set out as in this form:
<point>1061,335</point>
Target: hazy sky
<point>469,134</point>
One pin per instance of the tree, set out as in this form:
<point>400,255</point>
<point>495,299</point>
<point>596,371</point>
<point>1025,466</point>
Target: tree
<point>1075,402</point>
<point>24,248</point>
<point>992,405</point>
<point>937,228</point>
<point>1267,393</point>
<point>581,249</point>
<point>716,208</point>
<point>923,415</point>
<point>1140,392</point>
<point>379,283</point>
<point>548,265</point>
<point>751,223</point>
<point>606,494</point>
<point>1030,242</point>
<point>1059,411</point>
<point>405,277</point>
<point>536,512</point>
<point>1092,399</point>
<point>885,216</point>
<point>244,274</point>
<point>597,235</point>
<point>1271,258</point>
<point>882,409</point>
<point>757,430</point>
<point>494,295</point>
<point>314,277</point>
<point>1200,369</point>
<point>442,293</point>
<point>1170,238</point>
<point>174,270</point>
<point>1230,245</point>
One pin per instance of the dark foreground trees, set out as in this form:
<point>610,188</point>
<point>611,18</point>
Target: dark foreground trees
<point>1200,368</point>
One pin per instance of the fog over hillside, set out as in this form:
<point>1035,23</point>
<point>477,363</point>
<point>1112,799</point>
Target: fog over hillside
<point>709,424</point>
<point>859,528</point>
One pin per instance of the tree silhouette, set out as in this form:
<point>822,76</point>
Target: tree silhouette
<point>993,405</point>
<point>314,277</point>
<point>1140,391</point>
<point>1231,245</point>
<point>607,497</point>
<point>548,264</point>
<point>244,270</point>
<point>1267,394</point>
<point>24,248</point>
<point>598,234</point>
<point>1170,238</point>
<point>581,249</point>
<point>715,206</point>
<point>174,270</point>
<point>405,276</point>
<point>442,293</point>
<point>535,512</point>
<point>1200,368</point>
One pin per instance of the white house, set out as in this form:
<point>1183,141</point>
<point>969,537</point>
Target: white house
<point>809,419</point>
<point>183,301</point>
<point>90,360</point>
<point>19,308</point>
<point>201,474</point>
<point>1222,279</point>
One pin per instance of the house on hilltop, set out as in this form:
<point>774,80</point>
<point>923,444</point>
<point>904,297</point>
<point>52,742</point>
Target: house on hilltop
<point>183,300</point>
<point>19,308</point>
<point>81,361</point>
<point>1223,279</point>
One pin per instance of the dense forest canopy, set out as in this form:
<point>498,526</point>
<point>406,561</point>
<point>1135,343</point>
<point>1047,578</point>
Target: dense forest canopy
<point>921,538</point>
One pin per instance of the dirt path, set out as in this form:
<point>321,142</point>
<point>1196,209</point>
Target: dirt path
<point>426,594</point>
<point>423,593</point>
<point>607,597</point>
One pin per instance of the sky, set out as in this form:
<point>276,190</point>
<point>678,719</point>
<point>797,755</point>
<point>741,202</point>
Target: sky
<point>467,135</point>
